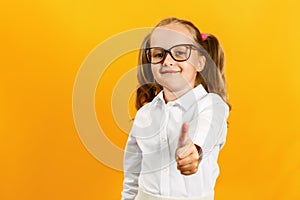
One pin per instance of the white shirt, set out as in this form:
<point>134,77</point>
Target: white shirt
<point>149,162</point>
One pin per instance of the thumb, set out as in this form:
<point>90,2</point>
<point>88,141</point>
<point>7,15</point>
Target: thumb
<point>183,137</point>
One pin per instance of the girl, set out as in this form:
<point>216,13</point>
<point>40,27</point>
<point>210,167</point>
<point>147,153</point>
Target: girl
<point>181,122</point>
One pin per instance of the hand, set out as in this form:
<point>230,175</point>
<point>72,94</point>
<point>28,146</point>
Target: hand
<point>187,155</point>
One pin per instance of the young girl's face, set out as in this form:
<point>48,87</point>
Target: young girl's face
<point>172,73</point>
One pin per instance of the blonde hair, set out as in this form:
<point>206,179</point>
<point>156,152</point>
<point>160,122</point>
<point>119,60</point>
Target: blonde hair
<point>212,77</point>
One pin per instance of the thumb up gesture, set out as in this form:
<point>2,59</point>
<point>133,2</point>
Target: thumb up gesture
<point>188,155</point>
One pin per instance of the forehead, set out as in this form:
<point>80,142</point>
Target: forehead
<point>170,35</point>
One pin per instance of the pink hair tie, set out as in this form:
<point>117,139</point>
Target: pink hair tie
<point>204,36</point>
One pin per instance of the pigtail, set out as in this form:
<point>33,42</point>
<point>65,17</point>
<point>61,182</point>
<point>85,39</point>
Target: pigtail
<point>214,72</point>
<point>215,50</point>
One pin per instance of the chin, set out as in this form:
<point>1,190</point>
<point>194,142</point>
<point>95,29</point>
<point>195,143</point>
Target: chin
<point>175,86</point>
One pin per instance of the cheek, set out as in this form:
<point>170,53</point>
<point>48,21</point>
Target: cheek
<point>155,71</point>
<point>189,67</point>
<point>189,72</point>
<point>194,59</point>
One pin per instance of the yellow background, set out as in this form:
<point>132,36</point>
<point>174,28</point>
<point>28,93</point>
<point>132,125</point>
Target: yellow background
<point>43,44</point>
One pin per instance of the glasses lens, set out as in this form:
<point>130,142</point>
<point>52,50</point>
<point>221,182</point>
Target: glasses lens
<point>156,55</point>
<point>181,53</point>
<point>178,53</point>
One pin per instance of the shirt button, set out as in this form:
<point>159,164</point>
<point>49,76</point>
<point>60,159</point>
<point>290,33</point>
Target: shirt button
<point>164,139</point>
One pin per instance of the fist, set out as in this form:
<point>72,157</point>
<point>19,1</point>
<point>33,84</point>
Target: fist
<point>188,155</point>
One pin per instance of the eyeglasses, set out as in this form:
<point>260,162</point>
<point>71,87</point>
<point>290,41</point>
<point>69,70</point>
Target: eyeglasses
<point>179,53</point>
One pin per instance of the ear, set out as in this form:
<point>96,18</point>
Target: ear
<point>201,63</point>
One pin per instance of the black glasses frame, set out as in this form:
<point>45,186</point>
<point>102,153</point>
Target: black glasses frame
<point>165,51</point>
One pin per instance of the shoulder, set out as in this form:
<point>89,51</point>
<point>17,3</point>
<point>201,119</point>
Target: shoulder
<point>213,102</point>
<point>208,98</point>
<point>147,120</point>
<point>212,99</point>
<point>144,109</point>
<point>144,115</point>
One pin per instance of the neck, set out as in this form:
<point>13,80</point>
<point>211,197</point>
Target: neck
<point>173,95</point>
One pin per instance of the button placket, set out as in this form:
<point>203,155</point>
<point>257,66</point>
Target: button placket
<point>165,185</point>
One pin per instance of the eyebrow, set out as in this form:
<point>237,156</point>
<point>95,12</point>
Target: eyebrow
<point>173,45</point>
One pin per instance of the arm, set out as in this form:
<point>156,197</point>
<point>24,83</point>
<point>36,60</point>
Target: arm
<point>132,167</point>
<point>208,129</point>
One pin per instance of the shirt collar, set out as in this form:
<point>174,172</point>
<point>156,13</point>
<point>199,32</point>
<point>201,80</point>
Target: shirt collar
<point>159,98</point>
<point>185,101</point>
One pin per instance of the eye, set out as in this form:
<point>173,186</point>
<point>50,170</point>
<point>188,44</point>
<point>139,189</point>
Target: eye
<point>157,55</point>
<point>180,53</point>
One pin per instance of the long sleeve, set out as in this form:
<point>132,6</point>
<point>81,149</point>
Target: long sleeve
<point>149,163</point>
<point>132,168</point>
<point>210,126</point>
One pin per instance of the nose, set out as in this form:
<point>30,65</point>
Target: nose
<point>168,61</point>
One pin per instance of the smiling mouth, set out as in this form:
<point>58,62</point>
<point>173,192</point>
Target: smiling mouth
<point>170,72</point>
